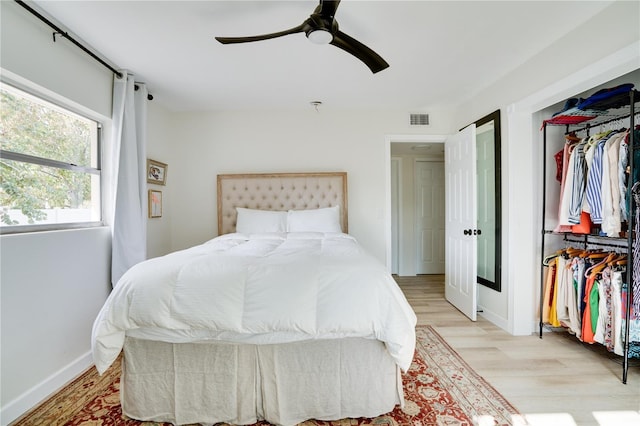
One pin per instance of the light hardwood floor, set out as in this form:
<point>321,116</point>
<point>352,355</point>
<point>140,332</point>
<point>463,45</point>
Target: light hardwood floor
<point>556,380</point>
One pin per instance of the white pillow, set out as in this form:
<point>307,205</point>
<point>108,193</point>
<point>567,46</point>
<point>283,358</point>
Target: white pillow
<point>316,220</point>
<point>251,221</point>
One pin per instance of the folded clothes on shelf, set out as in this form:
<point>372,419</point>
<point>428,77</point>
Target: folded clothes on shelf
<point>578,110</point>
<point>604,99</point>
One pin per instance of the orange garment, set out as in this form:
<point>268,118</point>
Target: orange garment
<point>584,227</point>
<point>587,328</point>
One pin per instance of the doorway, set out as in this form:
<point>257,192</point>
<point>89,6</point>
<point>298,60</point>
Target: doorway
<point>413,240</point>
<point>403,153</point>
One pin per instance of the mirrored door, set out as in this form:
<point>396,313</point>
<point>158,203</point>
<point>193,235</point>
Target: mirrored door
<point>488,200</point>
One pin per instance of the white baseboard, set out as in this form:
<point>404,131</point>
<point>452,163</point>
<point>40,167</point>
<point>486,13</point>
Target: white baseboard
<point>493,318</point>
<point>29,399</point>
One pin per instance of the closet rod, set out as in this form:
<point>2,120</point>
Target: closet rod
<point>595,243</point>
<point>66,35</point>
<point>590,126</point>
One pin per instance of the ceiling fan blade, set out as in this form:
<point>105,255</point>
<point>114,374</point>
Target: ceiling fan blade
<point>230,40</point>
<point>328,8</point>
<point>360,51</point>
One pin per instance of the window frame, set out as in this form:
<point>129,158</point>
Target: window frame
<point>66,105</point>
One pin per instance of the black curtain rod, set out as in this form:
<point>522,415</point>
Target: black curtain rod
<point>66,35</point>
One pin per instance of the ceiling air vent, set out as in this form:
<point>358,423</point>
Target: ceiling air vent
<point>419,119</point>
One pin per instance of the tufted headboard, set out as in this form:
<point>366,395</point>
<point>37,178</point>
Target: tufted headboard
<point>279,191</point>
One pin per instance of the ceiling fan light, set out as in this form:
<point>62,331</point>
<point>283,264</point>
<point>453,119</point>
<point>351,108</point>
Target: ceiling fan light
<point>320,36</point>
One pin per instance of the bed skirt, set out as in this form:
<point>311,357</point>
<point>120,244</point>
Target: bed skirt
<point>286,384</point>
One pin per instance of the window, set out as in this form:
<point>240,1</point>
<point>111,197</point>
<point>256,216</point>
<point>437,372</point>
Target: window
<point>49,165</point>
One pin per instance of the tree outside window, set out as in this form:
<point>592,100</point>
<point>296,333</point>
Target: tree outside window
<point>49,163</point>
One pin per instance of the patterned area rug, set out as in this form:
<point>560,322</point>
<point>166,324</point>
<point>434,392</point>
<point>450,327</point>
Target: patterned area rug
<point>440,389</point>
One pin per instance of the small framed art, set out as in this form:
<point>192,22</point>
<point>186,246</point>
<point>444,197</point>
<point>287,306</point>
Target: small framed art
<point>156,172</point>
<point>155,203</point>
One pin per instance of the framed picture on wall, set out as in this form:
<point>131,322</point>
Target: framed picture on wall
<point>156,172</point>
<point>155,203</point>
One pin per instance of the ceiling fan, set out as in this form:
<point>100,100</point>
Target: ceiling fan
<point>322,28</point>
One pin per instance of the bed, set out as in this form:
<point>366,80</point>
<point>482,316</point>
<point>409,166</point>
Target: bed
<point>283,317</point>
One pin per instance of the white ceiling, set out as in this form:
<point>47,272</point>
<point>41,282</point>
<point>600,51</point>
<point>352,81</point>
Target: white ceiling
<point>440,52</point>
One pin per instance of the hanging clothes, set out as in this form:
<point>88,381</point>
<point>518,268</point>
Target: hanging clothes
<point>577,269</point>
<point>567,189</point>
<point>635,191</point>
<point>550,277</point>
<point>570,141</point>
<point>636,156</point>
<point>579,183</point>
<point>587,328</point>
<point>617,312</point>
<point>594,179</point>
<point>597,298</point>
<point>622,176</point>
<point>634,326</point>
<point>611,218</point>
<point>585,293</point>
<point>603,334</point>
<point>593,183</point>
<point>561,290</point>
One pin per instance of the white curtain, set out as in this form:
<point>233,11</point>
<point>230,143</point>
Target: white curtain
<point>129,203</point>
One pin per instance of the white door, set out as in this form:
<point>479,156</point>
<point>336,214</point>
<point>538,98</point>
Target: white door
<point>429,184</point>
<point>460,213</point>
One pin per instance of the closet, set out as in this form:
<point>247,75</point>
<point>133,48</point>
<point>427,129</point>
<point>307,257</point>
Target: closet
<point>590,250</point>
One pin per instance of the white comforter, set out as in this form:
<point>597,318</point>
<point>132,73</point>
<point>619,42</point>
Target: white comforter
<point>266,288</point>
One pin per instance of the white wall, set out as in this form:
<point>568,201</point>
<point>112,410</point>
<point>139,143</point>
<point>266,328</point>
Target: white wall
<point>161,143</point>
<point>28,50</point>
<point>284,141</point>
<point>53,285</point>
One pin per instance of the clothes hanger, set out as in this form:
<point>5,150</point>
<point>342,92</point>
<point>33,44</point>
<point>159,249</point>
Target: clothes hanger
<point>620,265</point>
<point>588,253</point>
<point>598,255</point>
<point>572,251</point>
<point>572,138</point>
<point>598,267</point>
<point>550,258</point>
<point>620,259</point>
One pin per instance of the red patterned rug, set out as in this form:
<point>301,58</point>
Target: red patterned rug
<point>440,389</point>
